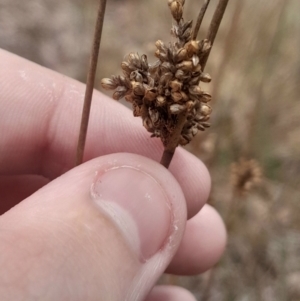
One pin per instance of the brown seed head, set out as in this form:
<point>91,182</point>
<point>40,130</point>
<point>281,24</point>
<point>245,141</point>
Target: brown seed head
<point>167,94</point>
<point>245,174</point>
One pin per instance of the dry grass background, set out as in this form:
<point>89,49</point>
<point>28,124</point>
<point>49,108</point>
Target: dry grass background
<point>255,66</point>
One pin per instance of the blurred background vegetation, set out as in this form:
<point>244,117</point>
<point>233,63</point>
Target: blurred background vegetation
<point>255,66</point>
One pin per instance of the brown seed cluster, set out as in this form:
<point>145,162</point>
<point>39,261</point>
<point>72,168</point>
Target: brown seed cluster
<point>168,90</point>
<point>245,174</point>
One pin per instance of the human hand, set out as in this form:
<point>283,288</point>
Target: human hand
<point>105,230</point>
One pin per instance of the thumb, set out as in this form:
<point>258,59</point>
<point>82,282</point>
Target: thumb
<point>105,230</point>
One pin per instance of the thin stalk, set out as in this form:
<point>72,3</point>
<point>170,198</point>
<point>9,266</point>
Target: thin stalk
<point>212,32</point>
<point>90,83</point>
<point>200,19</point>
<point>173,141</point>
<point>228,47</point>
<point>214,27</point>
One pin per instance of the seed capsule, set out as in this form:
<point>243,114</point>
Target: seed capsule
<point>144,62</point>
<point>147,123</point>
<point>126,67</point>
<point>137,111</point>
<point>205,97</point>
<point>195,60</point>
<point>196,70</point>
<point>194,81</point>
<point>162,56</point>
<point>160,101</point>
<point>165,78</point>
<point>150,94</point>
<point>205,110</point>
<point>200,127</point>
<point>154,116</point>
<point>183,141</point>
<point>160,46</point>
<point>167,92</point>
<point>187,34</point>
<point>129,98</point>
<point>195,90</point>
<point>139,89</point>
<point>192,47</point>
<point>134,58</point>
<point>136,76</point>
<point>190,105</point>
<point>201,118</point>
<point>206,46</point>
<point>185,66</point>
<point>180,55</point>
<point>108,84</point>
<point>177,109</point>
<point>118,95</point>
<point>194,131</point>
<point>175,85</point>
<point>176,10</point>
<point>165,67</point>
<point>170,2</point>
<point>179,74</point>
<point>206,124</point>
<point>184,96</point>
<point>205,77</point>
<point>188,137</point>
<point>176,96</point>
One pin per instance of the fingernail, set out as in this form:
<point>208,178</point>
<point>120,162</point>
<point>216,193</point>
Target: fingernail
<point>139,206</point>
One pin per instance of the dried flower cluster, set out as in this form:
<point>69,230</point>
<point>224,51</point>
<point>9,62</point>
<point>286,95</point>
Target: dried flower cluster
<point>167,94</point>
<point>245,174</point>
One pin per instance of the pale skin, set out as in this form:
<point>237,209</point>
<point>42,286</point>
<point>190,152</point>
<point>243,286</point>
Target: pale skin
<point>55,244</point>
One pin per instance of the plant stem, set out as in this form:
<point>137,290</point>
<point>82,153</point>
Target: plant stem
<point>211,35</point>
<point>167,158</point>
<point>214,27</point>
<point>173,141</point>
<point>90,82</point>
<point>200,19</point>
